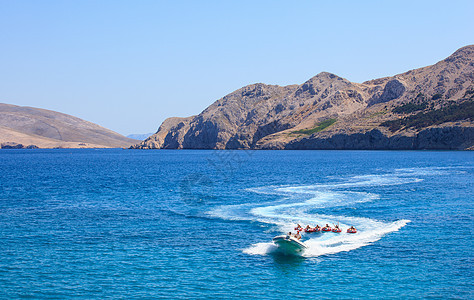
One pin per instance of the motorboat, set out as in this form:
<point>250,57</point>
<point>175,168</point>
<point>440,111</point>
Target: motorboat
<point>289,244</point>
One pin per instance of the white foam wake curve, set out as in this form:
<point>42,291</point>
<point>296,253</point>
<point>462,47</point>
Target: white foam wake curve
<point>297,204</point>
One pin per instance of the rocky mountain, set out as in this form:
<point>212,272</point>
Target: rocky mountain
<point>426,108</point>
<point>28,127</point>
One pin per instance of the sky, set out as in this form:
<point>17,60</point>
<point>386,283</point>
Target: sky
<point>129,65</point>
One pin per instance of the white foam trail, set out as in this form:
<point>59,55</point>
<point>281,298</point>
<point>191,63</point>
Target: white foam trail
<point>344,242</point>
<point>298,204</point>
<point>261,249</point>
<point>331,243</point>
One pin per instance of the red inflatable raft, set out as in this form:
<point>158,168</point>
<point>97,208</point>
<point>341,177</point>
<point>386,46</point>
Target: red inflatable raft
<point>326,229</point>
<point>312,230</point>
<point>337,230</point>
<point>351,230</point>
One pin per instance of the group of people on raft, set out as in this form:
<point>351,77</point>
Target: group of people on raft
<point>318,228</point>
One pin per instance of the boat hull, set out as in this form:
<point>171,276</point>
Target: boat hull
<point>289,245</point>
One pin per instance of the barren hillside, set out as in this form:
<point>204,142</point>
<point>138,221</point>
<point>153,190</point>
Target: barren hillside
<point>426,108</point>
<point>28,126</point>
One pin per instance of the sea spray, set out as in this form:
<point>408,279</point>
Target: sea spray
<point>305,204</point>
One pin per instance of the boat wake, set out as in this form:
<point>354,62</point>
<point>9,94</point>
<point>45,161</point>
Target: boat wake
<point>305,204</point>
<point>330,243</point>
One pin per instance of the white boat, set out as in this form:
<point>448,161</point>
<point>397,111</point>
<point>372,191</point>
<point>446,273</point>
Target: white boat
<point>289,244</point>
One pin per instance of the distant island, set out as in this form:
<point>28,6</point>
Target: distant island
<point>29,127</point>
<point>140,136</point>
<point>426,108</point>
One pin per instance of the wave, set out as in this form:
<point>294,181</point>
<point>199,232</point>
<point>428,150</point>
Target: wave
<point>303,204</point>
<point>331,243</point>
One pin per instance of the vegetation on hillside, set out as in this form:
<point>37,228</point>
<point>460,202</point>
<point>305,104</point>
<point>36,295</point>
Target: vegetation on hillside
<point>417,104</point>
<point>452,112</point>
<point>410,107</point>
<point>319,127</point>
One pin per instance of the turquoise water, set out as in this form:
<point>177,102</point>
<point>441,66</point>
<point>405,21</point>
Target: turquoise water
<point>198,224</point>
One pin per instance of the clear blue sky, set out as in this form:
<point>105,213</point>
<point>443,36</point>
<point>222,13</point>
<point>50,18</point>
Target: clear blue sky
<point>128,65</point>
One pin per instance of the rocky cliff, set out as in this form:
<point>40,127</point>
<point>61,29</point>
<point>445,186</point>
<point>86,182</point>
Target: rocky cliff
<point>28,127</point>
<point>426,108</point>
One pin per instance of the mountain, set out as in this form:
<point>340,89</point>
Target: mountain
<point>426,108</point>
<point>139,136</point>
<point>22,127</point>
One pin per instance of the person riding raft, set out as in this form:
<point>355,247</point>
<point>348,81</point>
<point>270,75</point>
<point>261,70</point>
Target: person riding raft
<point>352,229</point>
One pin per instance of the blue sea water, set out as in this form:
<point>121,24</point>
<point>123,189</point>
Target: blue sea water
<point>198,224</point>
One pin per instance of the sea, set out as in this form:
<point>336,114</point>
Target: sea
<point>198,224</point>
